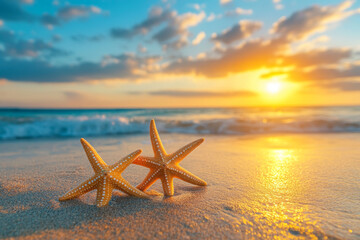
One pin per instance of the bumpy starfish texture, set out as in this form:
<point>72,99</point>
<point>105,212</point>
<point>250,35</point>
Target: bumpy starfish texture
<point>106,178</point>
<point>165,166</point>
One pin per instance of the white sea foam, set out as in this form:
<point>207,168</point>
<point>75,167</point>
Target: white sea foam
<point>102,125</point>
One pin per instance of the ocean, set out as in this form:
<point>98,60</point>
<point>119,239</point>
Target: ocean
<point>59,123</point>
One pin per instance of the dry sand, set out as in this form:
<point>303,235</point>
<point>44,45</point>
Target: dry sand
<point>260,186</point>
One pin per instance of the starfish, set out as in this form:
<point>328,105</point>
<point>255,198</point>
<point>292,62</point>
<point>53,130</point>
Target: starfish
<point>165,166</point>
<point>106,178</point>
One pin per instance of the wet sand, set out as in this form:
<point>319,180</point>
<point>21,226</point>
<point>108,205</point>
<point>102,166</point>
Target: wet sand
<point>260,186</point>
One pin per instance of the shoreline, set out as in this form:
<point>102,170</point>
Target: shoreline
<point>260,186</point>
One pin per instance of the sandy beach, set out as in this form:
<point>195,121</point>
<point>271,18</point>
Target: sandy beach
<point>260,186</point>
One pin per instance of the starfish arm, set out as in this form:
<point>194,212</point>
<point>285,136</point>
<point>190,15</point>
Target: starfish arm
<point>180,154</point>
<point>83,188</point>
<point>95,160</point>
<point>167,183</point>
<point>146,162</point>
<point>125,162</point>
<point>123,185</point>
<point>156,143</point>
<point>185,175</point>
<point>152,176</point>
<point>104,192</point>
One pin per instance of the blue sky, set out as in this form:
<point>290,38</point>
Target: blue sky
<point>176,52</point>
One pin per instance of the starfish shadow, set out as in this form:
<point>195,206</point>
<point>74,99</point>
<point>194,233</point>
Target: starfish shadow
<point>30,212</point>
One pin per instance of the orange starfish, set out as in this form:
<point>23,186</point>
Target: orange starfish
<point>106,178</point>
<point>166,166</point>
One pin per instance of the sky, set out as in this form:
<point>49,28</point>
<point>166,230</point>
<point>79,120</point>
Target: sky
<point>167,53</point>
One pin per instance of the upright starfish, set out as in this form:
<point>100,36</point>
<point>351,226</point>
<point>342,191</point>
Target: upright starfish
<point>106,178</point>
<point>166,166</point>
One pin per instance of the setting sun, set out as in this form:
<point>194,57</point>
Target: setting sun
<point>273,87</point>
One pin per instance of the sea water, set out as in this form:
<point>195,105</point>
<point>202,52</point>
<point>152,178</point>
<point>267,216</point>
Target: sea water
<point>57,123</point>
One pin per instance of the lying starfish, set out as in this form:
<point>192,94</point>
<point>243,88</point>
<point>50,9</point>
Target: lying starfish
<point>106,178</point>
<point>166,166</point>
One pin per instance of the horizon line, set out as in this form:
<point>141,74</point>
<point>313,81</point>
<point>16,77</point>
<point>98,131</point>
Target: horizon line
<point>142,108</point>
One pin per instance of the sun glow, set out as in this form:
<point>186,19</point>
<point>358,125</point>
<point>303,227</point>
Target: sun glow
<point>273,87</point>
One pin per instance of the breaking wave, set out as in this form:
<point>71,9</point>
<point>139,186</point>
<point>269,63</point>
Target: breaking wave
<point>103,125</point>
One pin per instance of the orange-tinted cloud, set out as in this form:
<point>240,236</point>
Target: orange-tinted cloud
<point>310,58</point>
<point>326,74</point>
<point>239,31</point>
<point>223,2</point>
<point>348,86</point>
<point>303,23</point>
<point>275,53</point>
<point>251,55</point>
<point>199,38</point>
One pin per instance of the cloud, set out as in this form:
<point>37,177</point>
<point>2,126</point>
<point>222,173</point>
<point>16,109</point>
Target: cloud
<point>212,17</point>
<point>197,6</point>
<point>251,55</point>
<point>178,26</point>
<point>187,20</point>
<point>177,44</point>
<point>68,13</point>
<point>325,74</point>
<point>278,4</point>
<point>347,86</point>
<point>15,47</point>
<point>11,10</point>
<point>302,24</point>
<point>239,31</point>
<point>199,38</point>
<point>120,67</point>
<point>201,55</point>
<point>173,35</point>
<point>224,2</point>
<point>239,11</point>
<point>167,34</point>
<point>317,59</point>
<point>172,31</point>
<point>156,17</point>
<point>274,53</point>
<point>185,94</point>
<point>312,44</point>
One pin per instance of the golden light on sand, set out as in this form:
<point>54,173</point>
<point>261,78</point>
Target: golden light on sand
<point>273,87</point>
